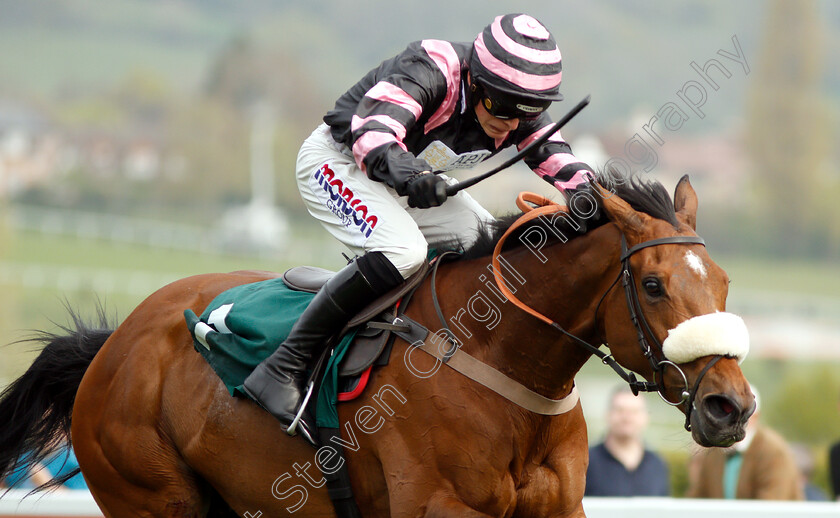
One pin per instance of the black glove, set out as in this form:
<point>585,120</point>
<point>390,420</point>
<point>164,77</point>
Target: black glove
<point>587,206</point>
<point>423,191</point>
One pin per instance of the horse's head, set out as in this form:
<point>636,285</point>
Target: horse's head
<point>677,296</point>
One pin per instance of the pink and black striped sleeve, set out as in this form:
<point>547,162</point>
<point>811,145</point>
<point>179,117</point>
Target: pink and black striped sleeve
<point>424,79</point>
<point>554,161</point>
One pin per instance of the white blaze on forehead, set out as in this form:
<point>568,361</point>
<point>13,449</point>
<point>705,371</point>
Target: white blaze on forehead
<point>695,263</point>
<point>716,333</point>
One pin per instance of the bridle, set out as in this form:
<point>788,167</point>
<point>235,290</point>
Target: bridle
<point>643,330</point>
<point>644,333</point>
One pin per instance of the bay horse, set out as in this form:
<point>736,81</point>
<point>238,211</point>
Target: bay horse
<point>157,434</point>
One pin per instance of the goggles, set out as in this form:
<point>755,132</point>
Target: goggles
<point>510,108</point>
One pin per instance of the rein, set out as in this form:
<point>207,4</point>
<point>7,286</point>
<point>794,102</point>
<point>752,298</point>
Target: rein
<point>546,207</point>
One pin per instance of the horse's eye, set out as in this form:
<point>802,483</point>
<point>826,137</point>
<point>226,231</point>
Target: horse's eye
<point>652,286</point>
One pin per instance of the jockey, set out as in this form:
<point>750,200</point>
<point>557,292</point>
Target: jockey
<point>369,173</point>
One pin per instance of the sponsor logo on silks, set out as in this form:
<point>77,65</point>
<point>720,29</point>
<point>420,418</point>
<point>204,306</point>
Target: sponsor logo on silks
<point>441,158</point>
<point>341,200</point>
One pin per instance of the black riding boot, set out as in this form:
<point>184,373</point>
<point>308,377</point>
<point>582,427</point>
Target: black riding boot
<point>278,382</point>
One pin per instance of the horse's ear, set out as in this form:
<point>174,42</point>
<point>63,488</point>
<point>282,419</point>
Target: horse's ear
<point>621,213</point>
<point>685,202</point>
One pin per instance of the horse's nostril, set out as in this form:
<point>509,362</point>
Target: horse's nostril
<point>720,408</point>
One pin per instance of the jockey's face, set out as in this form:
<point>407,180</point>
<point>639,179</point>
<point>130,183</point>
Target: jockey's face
<point>493,126</point>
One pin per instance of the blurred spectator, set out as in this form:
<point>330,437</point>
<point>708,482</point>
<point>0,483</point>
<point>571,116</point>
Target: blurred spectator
<point>56,464</point>
<point>834,469</point>
<point>761,467</point>
<point>805,462</point>
<point>621,465</point>
<point>27,477</point>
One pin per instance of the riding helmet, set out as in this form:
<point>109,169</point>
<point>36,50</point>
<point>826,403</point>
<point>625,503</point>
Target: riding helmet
<point>516,58</point>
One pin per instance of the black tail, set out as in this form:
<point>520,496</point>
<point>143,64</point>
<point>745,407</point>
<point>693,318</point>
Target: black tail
<point>35,410</point>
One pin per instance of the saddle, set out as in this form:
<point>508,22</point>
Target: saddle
<point>371,344</point>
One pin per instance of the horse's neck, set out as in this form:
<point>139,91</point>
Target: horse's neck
<point>566,288</point>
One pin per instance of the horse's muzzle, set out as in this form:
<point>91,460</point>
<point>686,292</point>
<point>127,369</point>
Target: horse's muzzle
<point>719,420</point>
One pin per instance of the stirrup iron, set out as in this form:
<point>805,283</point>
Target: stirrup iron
<point>292,429</point>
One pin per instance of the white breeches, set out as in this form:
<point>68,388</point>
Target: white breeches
<point>369,216</point>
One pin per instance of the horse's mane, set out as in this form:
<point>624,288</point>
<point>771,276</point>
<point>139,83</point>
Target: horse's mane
<point>648,196</point>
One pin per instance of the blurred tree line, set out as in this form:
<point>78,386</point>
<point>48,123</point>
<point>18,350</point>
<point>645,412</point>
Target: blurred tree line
<point>203,137</point>
<point>791,207</point>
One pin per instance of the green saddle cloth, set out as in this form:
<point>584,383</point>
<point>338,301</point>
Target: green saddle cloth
<point>245,324</point>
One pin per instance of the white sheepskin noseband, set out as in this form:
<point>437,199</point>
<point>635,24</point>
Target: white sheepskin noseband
<point>704,335</point>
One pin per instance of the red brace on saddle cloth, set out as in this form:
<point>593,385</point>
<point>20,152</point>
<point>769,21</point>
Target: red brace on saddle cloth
<point>363,378</point>
<point>360,387</point>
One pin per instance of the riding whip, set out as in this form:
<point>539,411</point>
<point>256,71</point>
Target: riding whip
<point>443,190</point>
